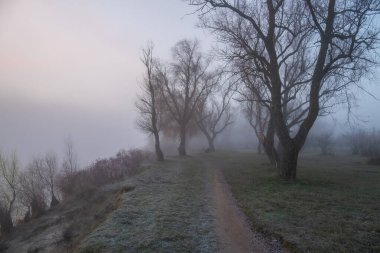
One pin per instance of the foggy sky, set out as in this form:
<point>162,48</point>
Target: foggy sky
<point>71,68</point>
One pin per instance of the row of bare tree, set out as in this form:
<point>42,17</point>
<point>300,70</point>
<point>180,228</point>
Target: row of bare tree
<point>294,61</point>
<point>183,96</point>
<point>33,189</point>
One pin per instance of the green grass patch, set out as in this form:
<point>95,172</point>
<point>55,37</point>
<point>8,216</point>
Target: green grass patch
<point>334,206</point>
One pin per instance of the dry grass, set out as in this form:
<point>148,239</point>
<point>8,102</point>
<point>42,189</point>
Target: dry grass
<point>333,207</point>
<point>168,211</point>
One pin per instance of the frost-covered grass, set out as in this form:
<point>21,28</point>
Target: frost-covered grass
<point>168,211</point>
<point>333,207</point>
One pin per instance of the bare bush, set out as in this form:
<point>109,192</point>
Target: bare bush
<point>101,172</point>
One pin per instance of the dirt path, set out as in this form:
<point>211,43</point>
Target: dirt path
<point>232,225</point>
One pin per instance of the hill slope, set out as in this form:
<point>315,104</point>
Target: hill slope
<point>180,205</point>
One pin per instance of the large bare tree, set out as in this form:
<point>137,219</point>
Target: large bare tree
<point>331,44</point>
<point>184,83</point>
<point>150,104</point>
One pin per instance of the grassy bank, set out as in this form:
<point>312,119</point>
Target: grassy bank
<point>168,211</point>
<point>333,207</point>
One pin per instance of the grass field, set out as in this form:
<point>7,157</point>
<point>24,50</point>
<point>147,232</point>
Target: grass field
<point>333,207</point>
<point>168,211</point>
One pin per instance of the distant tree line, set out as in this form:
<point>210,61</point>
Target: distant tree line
<point>365,143</point>
<point>357,141</point>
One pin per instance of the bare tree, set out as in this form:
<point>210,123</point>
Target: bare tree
<point>213,114</point>
<point>258,118</point>
<point>331,44</point>
<point>8,190</point>
<point>32,188</point>
<point>257,108</point>
<point>184,84</point>
<point>70,159</point>
<point>48,173</point>
<point>149,104</point>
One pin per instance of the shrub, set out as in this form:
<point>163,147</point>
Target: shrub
<point>102,172</point>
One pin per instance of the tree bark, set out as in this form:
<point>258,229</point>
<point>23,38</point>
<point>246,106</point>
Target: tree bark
<point>211,147</point>
<point>268,144</point>
<point>182,143</point>
<point>288,162</point>
<point>159,153</point>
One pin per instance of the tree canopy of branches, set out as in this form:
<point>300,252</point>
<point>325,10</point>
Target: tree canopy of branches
<point>150,104</point>
<point>184,83</point>
<point>213,113</point>
<point>303,55</point>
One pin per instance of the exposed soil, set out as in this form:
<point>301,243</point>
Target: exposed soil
<point>233,226</point>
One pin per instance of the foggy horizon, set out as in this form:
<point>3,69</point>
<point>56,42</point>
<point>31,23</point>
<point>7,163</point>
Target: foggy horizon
<point>73,69</point>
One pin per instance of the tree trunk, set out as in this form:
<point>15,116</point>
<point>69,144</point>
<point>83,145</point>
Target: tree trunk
<point>54,201</point>
<point>37,207</point>
<point>259,150</point>
<point>268,144</point>
<point>159,153</point>
<point>211,147</point>
<point>288,162</point>
<point>182,144</point>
